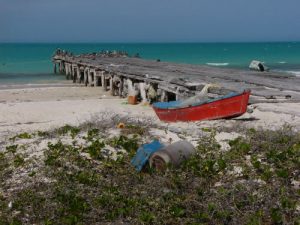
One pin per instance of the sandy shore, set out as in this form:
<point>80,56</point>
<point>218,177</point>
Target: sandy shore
<point>48,108</point>
<point>33,109</point>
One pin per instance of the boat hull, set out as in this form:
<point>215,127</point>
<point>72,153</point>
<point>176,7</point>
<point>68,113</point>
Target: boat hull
<point>223,108</point>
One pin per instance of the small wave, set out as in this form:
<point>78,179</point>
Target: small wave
<point>292,72</point>
<point>296,73</point>
<point>282,62</point>
<point>217,64</point>
<point>33,85</point>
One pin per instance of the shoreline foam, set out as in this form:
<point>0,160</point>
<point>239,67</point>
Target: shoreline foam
<point>9,86</point>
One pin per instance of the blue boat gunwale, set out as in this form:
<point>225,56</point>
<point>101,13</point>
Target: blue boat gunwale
<point>176,104</point>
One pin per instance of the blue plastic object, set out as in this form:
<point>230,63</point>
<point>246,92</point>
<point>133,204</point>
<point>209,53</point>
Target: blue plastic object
<point>143,154</point>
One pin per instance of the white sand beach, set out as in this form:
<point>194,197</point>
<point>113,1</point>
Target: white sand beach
<point>29,110</point>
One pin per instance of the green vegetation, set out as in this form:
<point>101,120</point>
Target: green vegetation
<point>67,129</point>
<point>251,183</point>
<point>95,149</point>
<point>19,160</point>
<point>22,136</point>
<point>12,148</point>
<point>42,133</point>
<point>134,129</point>
<point>129,144</point>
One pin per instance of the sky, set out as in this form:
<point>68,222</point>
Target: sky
<point>149,20</point>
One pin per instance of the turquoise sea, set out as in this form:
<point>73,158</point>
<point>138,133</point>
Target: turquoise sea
<point>31,63</point>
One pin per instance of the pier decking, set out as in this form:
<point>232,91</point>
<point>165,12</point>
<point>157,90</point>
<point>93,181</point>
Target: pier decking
<point>165,81</point>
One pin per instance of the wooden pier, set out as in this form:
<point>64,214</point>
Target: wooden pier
<point>153,80</point>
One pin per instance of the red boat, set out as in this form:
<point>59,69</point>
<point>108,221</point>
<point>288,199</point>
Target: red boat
<point>227,106</point>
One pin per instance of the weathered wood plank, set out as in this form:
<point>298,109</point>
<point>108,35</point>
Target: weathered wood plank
<point>173,76</point>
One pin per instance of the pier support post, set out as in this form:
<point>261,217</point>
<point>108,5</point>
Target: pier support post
<point>121,86</point>
<point>63,69</point>
<point>78,74</point>
<point>104,86</point>
<point>164,96</point>
<point>97,78</point>
<point>116,86</point>
<point>103,80</point>
<point>90,77</point>
<point>94,74</point>
<point>143,88</point>
<point>81,74</point>
<point>85,78</point>
<point>106,80</point>
<point>69,70</point>
<point>66,70</point>
<point>130,87</point>
<point>74,73</point>
<point>152,93</point>
<point>111,85</point>
<point>60,67</point>
<point>54,68</point>
<point>101,75</point>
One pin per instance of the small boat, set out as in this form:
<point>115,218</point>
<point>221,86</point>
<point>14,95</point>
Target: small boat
<point>228,106</point>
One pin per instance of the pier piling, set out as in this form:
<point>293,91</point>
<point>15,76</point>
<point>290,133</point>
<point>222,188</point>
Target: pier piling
<point>151,80</point>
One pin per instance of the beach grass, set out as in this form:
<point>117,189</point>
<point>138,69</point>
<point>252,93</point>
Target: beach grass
<point>75,180</point>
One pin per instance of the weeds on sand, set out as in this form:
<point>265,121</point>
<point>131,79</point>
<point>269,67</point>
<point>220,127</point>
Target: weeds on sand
<point>251,183</point>
<point>21,136</point>
<point>67,129</point>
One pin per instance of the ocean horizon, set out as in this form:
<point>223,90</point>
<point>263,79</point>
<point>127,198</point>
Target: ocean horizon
<point>23,63</point>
